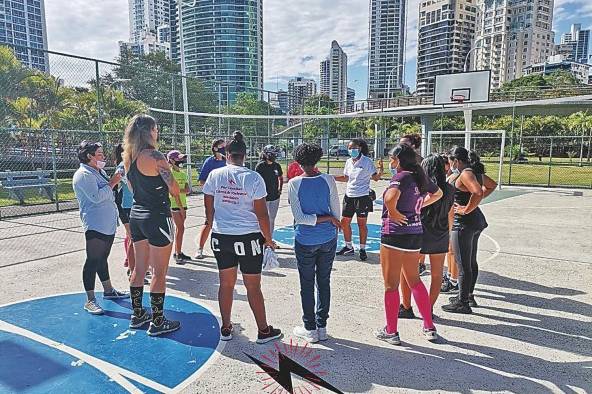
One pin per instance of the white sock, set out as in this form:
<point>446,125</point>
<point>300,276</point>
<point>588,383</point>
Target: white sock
<point>349,245</point>
<point>363,246</point>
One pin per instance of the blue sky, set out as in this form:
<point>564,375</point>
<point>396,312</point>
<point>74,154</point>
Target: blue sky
<point>297,33</point>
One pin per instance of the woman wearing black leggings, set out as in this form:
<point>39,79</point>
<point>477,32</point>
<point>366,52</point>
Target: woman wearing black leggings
<point>98,212</point>
<point>472,185</point>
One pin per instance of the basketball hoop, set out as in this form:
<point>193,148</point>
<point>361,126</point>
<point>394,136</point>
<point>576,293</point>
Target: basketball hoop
<point>457,98</point>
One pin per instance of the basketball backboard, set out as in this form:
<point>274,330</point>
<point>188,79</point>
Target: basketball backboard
<point>469,87</point>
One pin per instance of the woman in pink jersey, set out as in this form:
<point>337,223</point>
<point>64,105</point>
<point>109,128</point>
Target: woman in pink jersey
<point>401,236</point>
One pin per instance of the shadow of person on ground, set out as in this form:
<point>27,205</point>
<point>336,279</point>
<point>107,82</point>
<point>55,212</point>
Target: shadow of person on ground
<point>497,280</point>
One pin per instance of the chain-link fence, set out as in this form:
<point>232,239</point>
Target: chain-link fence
<point>37,166</point>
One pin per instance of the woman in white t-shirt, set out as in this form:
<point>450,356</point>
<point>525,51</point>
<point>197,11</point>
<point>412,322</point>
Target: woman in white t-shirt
<point>358,172</point>
<point>234,197</point>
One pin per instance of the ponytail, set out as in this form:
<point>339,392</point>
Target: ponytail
<point>475,163</point>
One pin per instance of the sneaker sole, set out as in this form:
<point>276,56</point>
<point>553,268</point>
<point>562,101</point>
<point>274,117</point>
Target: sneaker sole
<point>262,341</point>
<point>140,325</point>
<point>390,341</point>
<point>225,339</point>
<point>155,334</point>
<point>96,313</point>
<point>307,339</point>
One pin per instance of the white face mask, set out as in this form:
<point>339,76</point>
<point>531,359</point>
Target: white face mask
<point>101,164</point>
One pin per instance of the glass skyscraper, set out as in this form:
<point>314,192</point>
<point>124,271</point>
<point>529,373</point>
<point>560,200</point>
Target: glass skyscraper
<point>22,25</point>
<point>223,41</point>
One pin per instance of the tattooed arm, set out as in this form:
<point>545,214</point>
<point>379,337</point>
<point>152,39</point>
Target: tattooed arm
<point>164,170</point>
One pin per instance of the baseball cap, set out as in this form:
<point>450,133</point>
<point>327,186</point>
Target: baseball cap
<point>175,155</point>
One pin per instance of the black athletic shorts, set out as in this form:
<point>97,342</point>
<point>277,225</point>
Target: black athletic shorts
<point>124,214</point>
<point>435,243</point>
<point>403,242</point>
<point>158,229</point>
<point>360,206</point>
<point>177,209</point>
<point>245,251</point>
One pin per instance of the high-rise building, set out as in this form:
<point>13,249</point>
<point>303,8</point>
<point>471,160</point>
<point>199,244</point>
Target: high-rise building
<point>22,25</point>
<point>282,99</point>
<point>386,54</point>
<point>446,31</point>
<point>223,41</point>
<point>578,41</point>
<point>511,35</point>
<point>351,100</point>
<point>299,89</point>
<point>556,63</point>
<point>334,76</point>
<point>150,23</point>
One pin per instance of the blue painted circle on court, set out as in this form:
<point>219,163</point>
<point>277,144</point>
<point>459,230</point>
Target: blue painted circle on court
<point>285,235</point>
<point>33,361</point>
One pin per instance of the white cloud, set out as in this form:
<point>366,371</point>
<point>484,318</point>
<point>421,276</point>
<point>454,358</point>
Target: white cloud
<point>87,28</point>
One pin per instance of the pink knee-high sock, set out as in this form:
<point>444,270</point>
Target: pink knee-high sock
<point>391,308</point>
<point>422,299</point>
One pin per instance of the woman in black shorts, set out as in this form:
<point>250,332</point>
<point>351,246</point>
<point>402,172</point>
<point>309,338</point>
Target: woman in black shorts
<point>471,186</point>
<point>436,235</point>
<point>149,176</point>
<point>235,205</point>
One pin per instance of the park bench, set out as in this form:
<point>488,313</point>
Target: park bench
<point>17,182</point>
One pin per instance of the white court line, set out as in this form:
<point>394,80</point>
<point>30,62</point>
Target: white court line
<point>120,371</point>
<point>114,372</point>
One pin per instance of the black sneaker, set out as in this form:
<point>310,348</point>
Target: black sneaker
<point>449,287</point>
<point>363,255</point>
<point>139,321</point>
<point>178,259</point>
<point>422,269</point>
<point>115,295</point>
<point>405,313</point>
<point>345,251</point>
<point>166,327</point>
<point>269,335</point>
<point>472,302</point>
<point>226,333</point>
<point>457,307</point>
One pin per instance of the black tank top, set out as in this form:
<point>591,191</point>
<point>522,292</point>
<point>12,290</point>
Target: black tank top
<point>475,219</point>
<point>151,194</point>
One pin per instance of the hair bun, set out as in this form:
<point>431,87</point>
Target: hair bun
<point>238,136</point>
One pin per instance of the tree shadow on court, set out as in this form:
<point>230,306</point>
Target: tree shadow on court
<point>560,304</point>
<point>543,334</point>
<point>358,367</point>
<point>199,284</point>
<point>493,279</point>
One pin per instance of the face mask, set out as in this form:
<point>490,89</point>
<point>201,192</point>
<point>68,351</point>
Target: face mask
<point>101,164</point>
<point>455,171</point>
<point>354,153</point>
<point>222,151</point>
<point>393,170</point>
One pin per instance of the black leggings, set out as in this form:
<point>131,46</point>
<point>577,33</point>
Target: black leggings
<point>464,245</point>
<point>98,247</point>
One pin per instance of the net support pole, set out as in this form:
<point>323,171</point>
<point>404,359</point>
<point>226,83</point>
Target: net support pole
<point>427,126</point>
<point>501,161</point>
<point>468,113</point>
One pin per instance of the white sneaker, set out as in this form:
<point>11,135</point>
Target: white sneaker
<point>310,336</point>
<point>431,334</point>
<point>322,333</point>
<point>93,307</point>
<point>393,339</point>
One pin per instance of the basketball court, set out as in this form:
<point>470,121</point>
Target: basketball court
<point>532,332</point>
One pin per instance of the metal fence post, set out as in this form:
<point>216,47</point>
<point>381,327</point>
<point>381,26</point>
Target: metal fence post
<point>54,168</point>
<point>550,162</point>
<point>99,99</point>
<point>328,147</point>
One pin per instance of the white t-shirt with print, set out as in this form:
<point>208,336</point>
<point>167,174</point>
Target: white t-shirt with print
<point>359,173</point>
<point>235,189</point>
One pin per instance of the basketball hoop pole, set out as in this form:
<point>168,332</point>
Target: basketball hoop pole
<point>468,112</point>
